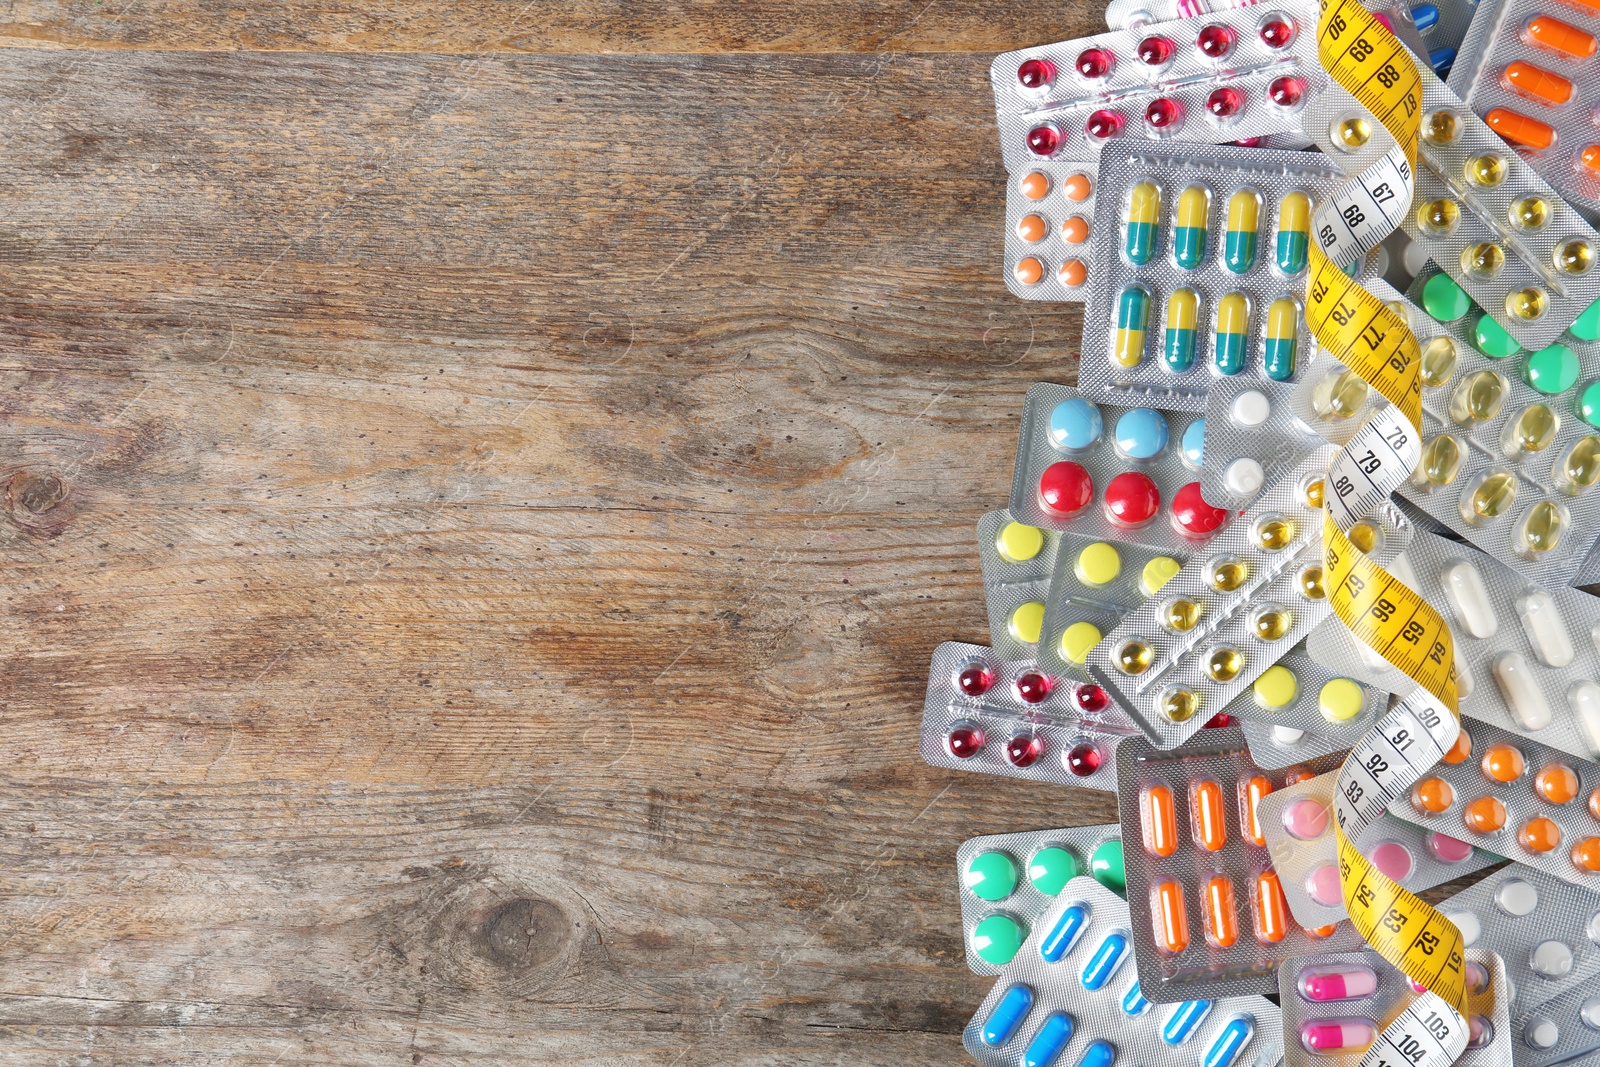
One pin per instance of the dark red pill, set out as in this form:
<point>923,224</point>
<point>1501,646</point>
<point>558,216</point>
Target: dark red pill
<point>964,740</point>
<point>1033,687</point>
<point>1084,758</point>
<point>1024,750</point>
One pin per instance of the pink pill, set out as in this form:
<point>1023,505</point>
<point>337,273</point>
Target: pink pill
<point>1323,886</point>
<point>1306,819</point>
<point>1447,849</point>
<point>1393,859</point>
<point>1336,1035</point>
<point>1338,983</point>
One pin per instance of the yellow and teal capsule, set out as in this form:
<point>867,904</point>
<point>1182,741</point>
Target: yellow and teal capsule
<point>1189,236</point>
<point>1233,326</point>
<point>1294,233</point>
<point>1183,310</point>
<point>1239,245</point>
<point>1133,316</point>
<point>1140,222</point>
<point>1283,339</point>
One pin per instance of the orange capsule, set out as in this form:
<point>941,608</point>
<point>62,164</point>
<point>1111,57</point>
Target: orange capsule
<point>1557,783</point>
<point>1207,824</point>
<point>1539,835</point>
<point>1167,914</point>
<point>1503,763</point>
<point>1252,791</point>
<point>1031,228</point>
<point>1272,910</point>
<point>1591,6</point>
<point>1586,854</point>
<point>1459,751</point>
<point>1553,35</point>
<point>1432,795</point>
<point>1222,924</point>
<point>1485,815</point>
<point>1536,83</point>
<point>1159,820</point>
<point>1520,129</point>
<point>1296,775</point>
<point>1321,931</point>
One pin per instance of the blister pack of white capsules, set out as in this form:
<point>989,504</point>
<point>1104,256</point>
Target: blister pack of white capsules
<point>1049,216</point>
<point>1563,1030</point>
<point>1479,211</point>
<point>1236,609</point>
<point>1297,823</point>
<point>1336,1004</point>
<point>1209,912</point>
<point>995,716</point>
<point>1299,708</point>
<point>1008,881</point>
<point>1115,473</point>
<point>1070,998</point>
<point>1509,460</point>
<point>1243,76</point>
<point>1523,800</point>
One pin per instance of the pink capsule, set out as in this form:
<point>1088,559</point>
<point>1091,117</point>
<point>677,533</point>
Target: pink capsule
<point>1335,1035</point>
<point>1094,63</point>
<point>1337,983</point>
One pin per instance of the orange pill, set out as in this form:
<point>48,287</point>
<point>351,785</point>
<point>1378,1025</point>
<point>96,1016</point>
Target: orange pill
<point>1075,229</point>
<point>1594,803</point>
<point>1321,931</point>
<point>1586,854</point>
<point>1536,83</point>
<point>1077,187</point>
<point>1432,795</point>
<point>1272,910</point>
<point>1591,6</point>
<point>1222,924</point>
<point>1073,273</point>
<point>1520,129</point>
<point>1485,815</point>
<point>1029,271</point>
<point>1034,186</point>
<point>1553,35</point>
<point>1503,763</point>
<point>1296,775</point>
<point>1557,783</point>
<point>1159,819</point>
<point>1590,157</point>
<point>1539,835</point>
<point>1460,750</point>
<point>1207,823</point>
<point>1031,228</point>
<point>1169,917</point>
<point>1251,793</point>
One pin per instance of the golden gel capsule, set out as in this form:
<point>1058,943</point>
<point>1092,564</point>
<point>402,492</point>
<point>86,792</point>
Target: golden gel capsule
<point>1526,304</point>
<point>1478,398</point>
<point>1177,705</point>
<point>1180,614</point>
<point>1134,657</point>
<point>1574,257</point>
<point>1441,461</point>
<point>1310,579</point>
<point>1579,468</point>
<point>1541,530</point>
<point>1351,133</point>
<point>1530,213</point>
<point>1226,573</point>
<point>1483,260</point>
<point>1441,127</point>
<point>1438,361</point>
<point>1270,622</point>
<point>1488,497</point>
<point>1364,536</point>
<point>1274,531</point>
<point>1530,431</point>
<point>1339,395</point>
<point>1224,663</point>
<point>1439,217</point>
<point>1487,170</point>
<point>1312,491</point>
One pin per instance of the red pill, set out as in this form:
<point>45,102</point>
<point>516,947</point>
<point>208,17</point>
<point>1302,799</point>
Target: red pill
<point>1024,750</point>
<point>1084,758</point>
<point>1277,33</point>
<point>1044,140</point>
<point>964,740</point>
<point>1225,103</point>
<point>1103,124</point>
<point>1036,73</point>
<point>1216,40</point>
<point>1156,51</point>
<point>1091,699</point>
<point>1287,91</point>
<point>1132,499</point>
<point>1033,687</point>
<point>1192,516</point>
<point>1065,489</point>
<point>1249,142</point>
<point>975,679</point>
<point>1094,63</point>
<point>1219,720</point>
<point>1163,113</point>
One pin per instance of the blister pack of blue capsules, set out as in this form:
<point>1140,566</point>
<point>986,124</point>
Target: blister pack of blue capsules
<point>1070,997</point>
<point>1094,584</point>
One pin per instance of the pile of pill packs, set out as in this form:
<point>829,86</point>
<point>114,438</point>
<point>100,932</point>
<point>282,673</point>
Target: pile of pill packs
<point>1159,622</point>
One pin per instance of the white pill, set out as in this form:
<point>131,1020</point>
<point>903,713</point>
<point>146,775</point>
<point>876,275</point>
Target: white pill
<point>1547,631</point>
<point>1594,635</point>
<point>1593,929</point>
<point>1590,1013</point>
<point>1516,897</point>
<point>1463,674</point>
<point>1584,700</point>
<point>1464,586</point>
<point>1244,477</point>
<point>1523,697</point>
<point>1287,735</point>
<point>1467,923</point>
<point>1401,569</point>
<point>1250,409</point>
<point>1541,1033</point>
<point>1552,959</point>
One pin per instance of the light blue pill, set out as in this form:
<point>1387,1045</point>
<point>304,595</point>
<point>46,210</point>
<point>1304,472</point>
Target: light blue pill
<point>1228,1044</point>
<point>1425,16</point>
<point>1075,425</point>
<point>1099,1054</point>
<point>1142,433</point>
<point>1183,1020</point>
<point>1194,442</point>
<point>1133,1002</point>
<point>1064,934</point>
<point>1105,961</point>
<point>1007,1015</point>
<point>1049,1041</point>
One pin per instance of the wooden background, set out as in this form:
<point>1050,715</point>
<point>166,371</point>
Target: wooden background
<point>482,483</point>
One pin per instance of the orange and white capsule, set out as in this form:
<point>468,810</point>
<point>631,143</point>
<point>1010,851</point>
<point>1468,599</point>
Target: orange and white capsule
<point>1251,792</point>
<point>1168,916</point>
<point>1208,824</point>
<point>1158,819</point>
<point>1222,922</point>
<point>1272,909</point>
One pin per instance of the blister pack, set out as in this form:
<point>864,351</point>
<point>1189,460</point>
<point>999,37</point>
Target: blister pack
<point>983,713</point>
<point>1009,880</point>
<point>1299,699</point>
<point>1335,1004</point>
<point>1094,584</point>
<point>1526,801</point>
<point>1509,460</point>
<point>1069,998</point>
<point>1211,258</point>
<point>1479,211</point>
<point>1564,1030</point>
<point>1049,219</point>
<point>1018,561</point>
<point>1210,917</point>
<point>1110,472</point>
<point>1297,823</point>
<point>1236,609</point>
<point>1242,76</point>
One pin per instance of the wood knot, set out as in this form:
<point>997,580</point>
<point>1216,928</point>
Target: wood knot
<point>524,934</point>
<point>33,501</point>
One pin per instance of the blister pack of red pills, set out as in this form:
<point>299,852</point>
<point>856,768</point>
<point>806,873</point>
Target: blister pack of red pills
<point>1094,584</point>
<point>1209,914</point>
<point>1242,76</point>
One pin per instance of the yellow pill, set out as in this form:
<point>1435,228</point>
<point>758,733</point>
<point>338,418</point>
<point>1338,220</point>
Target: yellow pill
<point>1530,213</point>
<point>1340,700</point>
<point>1098,564</point>
<point>1364,536</point>
<point>1157,573</point>
<point>1574,257</point>
<point>1274,532</point>
<point>1439,217</point>
<point>1277,687</point>
<point>1226,572</point>
<point>1441,460</point>
<point>1177,705</point>
<point>1486,170</point>
<point>1351,133</point>
<point>1018,543</point>
<point>1541,530</point>
<point>1438,361</point>
<point>1310,579</point>
<point>1312,491</point>
<point>1077,640</point>
<point>1271,623</point>
<point>1026,622</point>
<point>1441,127</point>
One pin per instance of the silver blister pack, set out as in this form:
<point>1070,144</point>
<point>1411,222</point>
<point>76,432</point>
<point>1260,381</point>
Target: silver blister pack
<point>1094,584</point>
<point>1466,226</point>
<point>1282,746</point>
<point>1017,561</point>
<point>1563,1030</point>
<point>1242,75</point>
<point>1299,693</point>
<point>1070,998</point>
<point>1008,881</point>
<point>1209,913</point>
<point>995,716</point>
<point>1049,238</point>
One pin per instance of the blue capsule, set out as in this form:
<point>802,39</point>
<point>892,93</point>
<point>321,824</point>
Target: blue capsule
<point>1064,934</point>
<point>1228,1044</point>
<point>1133,1002</point>
<point>1049,1041</point>
<point>1007,1015</point>
<point>1441,60</point>
<point>1105,961</point>
<point>1424,17</point>
<point>1183,1020</point>
<point>1099,1054</point>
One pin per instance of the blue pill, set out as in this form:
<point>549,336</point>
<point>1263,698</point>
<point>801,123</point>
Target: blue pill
<point>1194,442</point>
<point>1234,1037</point>
<point>1424,16</point>
<point>1099,1054</point>
<point>1007,1015</point>
<point>1064,934</point>
<point>1183,1020</point>
<point>1142,433</point>
<point>1441,59</point>
<point>1105,961</point>
<point>1133,1002</point>
<point>1049,1041</point>
<point>1075,425</point>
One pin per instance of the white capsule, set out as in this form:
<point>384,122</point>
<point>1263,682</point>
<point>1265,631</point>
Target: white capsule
<point>1547,631</point>
<point>1464,586</point>
<point>1463,675</point>
<point>1287,735</point>
<point>1244,476</point>
<point>1584,700</point>
<point>1523,697</point>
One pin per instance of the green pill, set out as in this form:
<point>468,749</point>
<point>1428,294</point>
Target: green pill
<point>991,876</point>
<point>997,939</point>
<point>1106,864</point>
<point>1490,338</point>
<point>1588,405</point>
<point>1552,370</point>
<point>1587,328</point>
<point>1051,868</point>
<point>1443,299</point>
